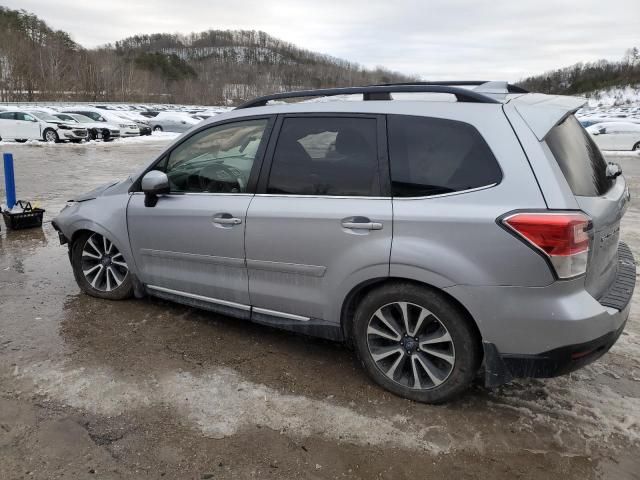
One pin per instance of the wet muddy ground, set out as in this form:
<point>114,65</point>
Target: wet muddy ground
<point>150,389</point>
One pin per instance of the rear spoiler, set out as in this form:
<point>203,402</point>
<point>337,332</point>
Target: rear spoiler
<point>543,112</point>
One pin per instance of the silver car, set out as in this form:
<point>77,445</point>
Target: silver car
<point>439,238</point>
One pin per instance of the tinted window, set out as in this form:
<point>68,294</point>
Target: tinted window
<point>24,117</point>
<point>431,156</point>
<point>579,158</point>
<point>7,116</point>
<point>216,160</point>
<point>326,156</point>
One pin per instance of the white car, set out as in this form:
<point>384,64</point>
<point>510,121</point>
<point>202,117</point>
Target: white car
<point>95,130</point>
<point>616,135</point>
<point>172,122</point>
<point>128,128</point>
<point>22,126</point>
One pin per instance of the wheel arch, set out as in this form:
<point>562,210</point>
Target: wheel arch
<point>357,293</point>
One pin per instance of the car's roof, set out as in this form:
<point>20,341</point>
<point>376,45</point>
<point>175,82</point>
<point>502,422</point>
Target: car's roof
<point>541,112</point>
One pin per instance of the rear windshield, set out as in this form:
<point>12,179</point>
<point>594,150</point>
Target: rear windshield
<point>579,158</point>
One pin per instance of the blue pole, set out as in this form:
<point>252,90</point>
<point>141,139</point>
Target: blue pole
<point>9,180</point>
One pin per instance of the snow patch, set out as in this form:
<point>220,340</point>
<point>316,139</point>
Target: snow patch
<point>221,403</point>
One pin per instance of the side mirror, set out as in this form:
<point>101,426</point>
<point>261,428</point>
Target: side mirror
<point>183,122</point>
<point>154,183</point>
<point>602,130</point>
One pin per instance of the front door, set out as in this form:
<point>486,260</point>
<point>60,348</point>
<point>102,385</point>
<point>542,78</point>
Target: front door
<point>320,223</point>
<point>27,127</point>
<point>191,243</point>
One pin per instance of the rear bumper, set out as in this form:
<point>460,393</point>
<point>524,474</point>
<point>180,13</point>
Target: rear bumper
<point>553,363</point>
<point>552,330</point>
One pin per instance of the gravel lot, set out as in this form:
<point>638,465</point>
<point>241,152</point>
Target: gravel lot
<point>149,389</point>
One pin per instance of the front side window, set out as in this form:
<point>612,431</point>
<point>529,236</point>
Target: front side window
<point>334,156</point>
<point>433,156</point>
<point>216,160</point>
<point>25,117</point>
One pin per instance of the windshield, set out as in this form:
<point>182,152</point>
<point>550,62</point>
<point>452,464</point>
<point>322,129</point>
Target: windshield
<point>81,119</point>
<point>579,158</point>
<point>45,116</point>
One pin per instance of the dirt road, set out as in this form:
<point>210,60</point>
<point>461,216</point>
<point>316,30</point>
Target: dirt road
<point>149,389</point>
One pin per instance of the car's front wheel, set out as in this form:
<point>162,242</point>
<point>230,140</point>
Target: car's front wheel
<point>416,343</point>
<point>636,147</point>
<point>157,128</point>
<point>99,267</point>
<point>51,136</point>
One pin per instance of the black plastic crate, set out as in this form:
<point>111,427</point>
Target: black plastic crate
<point>29,218</point>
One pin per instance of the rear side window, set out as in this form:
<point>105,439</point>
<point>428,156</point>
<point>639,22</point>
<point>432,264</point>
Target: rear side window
<point>579,158</point>
<point>432,156</point>
<point>7,116</point>
<point>326,156</point>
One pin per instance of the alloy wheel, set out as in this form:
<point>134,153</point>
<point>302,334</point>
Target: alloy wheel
<point>410,345</point>
<point>50,136</point>
<point>103,266</point>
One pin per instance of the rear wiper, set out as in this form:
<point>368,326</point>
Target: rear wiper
<point>613,170</point>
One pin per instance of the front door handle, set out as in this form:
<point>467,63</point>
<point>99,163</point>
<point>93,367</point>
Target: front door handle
<point>360,223</point>
<point>226,219</point>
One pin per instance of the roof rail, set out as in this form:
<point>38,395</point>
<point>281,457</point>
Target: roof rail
<point>375,92</point>
<point>464,83</point>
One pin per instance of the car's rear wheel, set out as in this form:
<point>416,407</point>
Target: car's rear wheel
<point>416,343</point>
<point>157,128</point>
<point>636,147</point>
<point>50,136</point>
<point>100,268</point>
<point>92,134</point>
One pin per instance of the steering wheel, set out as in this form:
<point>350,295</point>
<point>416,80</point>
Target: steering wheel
<point>221,178</point>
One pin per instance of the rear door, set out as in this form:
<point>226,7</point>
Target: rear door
<point>7,125</point>
<point>322,219</point>
<point>604,199</point>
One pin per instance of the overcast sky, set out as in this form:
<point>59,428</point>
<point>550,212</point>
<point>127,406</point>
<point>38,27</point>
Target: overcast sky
<point>446,39</point>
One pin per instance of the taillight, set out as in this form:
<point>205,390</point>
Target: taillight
<point>562,237</point>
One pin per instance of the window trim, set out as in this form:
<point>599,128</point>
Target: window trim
<point>136,186</point>
<point>448,194</point>
<point>384,181</point>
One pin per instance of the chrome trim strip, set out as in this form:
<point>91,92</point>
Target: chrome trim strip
<point>193,257</point>
<point>427,197</point>
<point>322,196</point>
<point>297,268</point>
<point>469,190</point>
<point>275,313</point>
<point>217,301</point>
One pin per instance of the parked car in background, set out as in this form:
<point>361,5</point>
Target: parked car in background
<point>616,135</point>
<point>22,126</point>
<point>128,128</point>
<point>140,120</point>
<point>173,122</point>
<point>95,130</point>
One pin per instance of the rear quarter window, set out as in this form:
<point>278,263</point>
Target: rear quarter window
<point>433,156</point>
<point>579,158</point>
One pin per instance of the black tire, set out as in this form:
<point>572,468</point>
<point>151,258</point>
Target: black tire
<point>124,291</point>
<point>636,147</point>
<point>106,135</point>
<point>157,128</point>
<point>464,341</point>
<point>50,136</point>
<point>91,134</point>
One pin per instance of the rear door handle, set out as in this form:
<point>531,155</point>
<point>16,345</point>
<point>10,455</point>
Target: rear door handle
<point>360,223</point>
<point>226,219</point>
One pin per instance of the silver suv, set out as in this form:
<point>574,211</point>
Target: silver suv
<point>440,238</point>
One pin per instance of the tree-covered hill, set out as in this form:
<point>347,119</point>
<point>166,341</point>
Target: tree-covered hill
<point>217,66</point>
